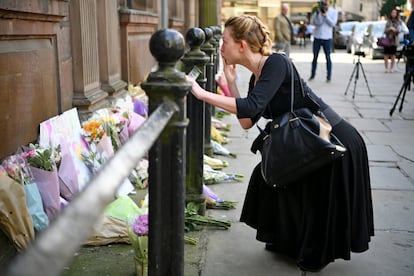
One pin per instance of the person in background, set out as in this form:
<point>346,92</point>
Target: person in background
<point>309,31</point>
<point>283,31</point>
<point>302,34</point>
<point>324,19</point>
<point>326,214</point>
<point>391,31</point>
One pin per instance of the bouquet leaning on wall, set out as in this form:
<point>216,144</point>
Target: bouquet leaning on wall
<point>42,164</point>
<point>21,208</point>
<point>17,168</point>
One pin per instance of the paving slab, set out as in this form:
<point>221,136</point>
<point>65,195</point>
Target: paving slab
<point>390,253</point>
<point>407,168</point>
<point>347,113</point>
<point>405,151</point>
<point>389,179</point>
<point>391,138</point>
<point>401,126</point>
<point>374,113</point>
<point>393,210</point>
<point>368,124</point>
<point>382,153</point>
<point>390,99</point>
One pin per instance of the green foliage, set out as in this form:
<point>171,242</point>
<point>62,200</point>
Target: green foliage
<point>44,158</point>
<point>193,219</point>
<point>389,5</point>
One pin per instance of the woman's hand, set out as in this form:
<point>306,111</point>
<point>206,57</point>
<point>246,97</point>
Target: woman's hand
<point>195,88</point>
<point>230,72</point>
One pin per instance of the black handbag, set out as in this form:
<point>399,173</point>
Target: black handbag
<point>296,142</point>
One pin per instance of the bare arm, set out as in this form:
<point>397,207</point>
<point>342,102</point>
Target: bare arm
<point>221,101</point>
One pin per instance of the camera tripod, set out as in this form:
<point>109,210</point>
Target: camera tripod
<point>355,73</point>
<point>408,76</point>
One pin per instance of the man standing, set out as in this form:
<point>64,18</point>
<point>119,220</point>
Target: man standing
<point>283,31</point>
<point>324,19</point>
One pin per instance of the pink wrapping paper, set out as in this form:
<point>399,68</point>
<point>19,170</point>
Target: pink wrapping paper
<point>68,177</point>
<point>48,184</point>
<point>124,134</point>
<point>105,146</point>
<point>135,121</point>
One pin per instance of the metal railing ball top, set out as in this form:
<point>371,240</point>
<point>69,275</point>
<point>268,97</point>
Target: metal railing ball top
<point>167,46</point>
<point>216,31</point>
<point>195,37</point>
<point>208,32</point>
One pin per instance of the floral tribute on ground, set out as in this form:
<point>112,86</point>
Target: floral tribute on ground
<point>138,236</point>
<point>41,179</point>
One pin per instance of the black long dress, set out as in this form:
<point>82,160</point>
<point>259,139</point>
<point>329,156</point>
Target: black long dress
<point>323,216</point>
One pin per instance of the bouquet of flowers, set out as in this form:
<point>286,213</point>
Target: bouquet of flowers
<point>193,219</point>
<point>138,236</point>
<point>140,100</point>
<point>24,217</point>
<point>93,159</point>
<point>124,110</point>
<point>214,202</point>
<point>212,176</point>
<point>43,158</point>
<point>101,126</point>
<point>15,220</point>
<point>16,168</point>
<point>42,164</point>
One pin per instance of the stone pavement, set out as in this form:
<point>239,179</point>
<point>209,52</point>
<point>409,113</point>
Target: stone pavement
<point>390,143</point>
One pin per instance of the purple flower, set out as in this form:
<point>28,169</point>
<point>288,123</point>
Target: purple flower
<point>140,225</point>
<point>140,108</point>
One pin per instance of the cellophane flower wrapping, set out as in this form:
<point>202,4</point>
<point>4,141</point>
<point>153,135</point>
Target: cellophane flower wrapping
<point>138,236</point>
<point>34,203</point>
<point>42,165</point>
<point>16,167</point>
<point>15,220</point>
<point>48,184</point>
<point>69,184</point>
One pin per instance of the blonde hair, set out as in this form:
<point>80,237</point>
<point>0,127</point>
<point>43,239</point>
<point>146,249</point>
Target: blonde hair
<point>253,31</point>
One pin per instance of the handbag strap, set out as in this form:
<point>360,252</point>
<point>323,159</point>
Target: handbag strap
<point>294,72</point>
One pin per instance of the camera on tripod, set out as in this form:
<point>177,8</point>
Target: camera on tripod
<point>360,53</point>
<point>408,52</point>
<point>322,6</point>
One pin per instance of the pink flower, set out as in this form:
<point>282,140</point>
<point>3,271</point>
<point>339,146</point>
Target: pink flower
<point>29,153</point>
<point>140,225</point>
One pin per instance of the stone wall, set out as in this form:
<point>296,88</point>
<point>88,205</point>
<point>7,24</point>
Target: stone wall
<point>60,54</point>
<point>35,68</point>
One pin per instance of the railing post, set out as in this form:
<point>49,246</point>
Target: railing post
<point>209,50</point>
<point>195,112</point>
<point>217,37</point>
<point>167,158</point>
<point>215,43</point>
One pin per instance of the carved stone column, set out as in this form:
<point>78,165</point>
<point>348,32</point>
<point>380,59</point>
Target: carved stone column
<point>109,49</point>
<point>136,30</point>
<point>88,95</point>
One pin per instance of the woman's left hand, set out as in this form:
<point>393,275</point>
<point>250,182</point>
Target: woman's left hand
<point>195,88</point>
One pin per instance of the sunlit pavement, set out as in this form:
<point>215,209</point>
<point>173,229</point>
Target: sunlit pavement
<point>390,143</point>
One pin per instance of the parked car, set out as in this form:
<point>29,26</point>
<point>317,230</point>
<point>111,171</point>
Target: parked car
<point>371,34</point>
<point>356,36</point>
<point>341,34</point>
